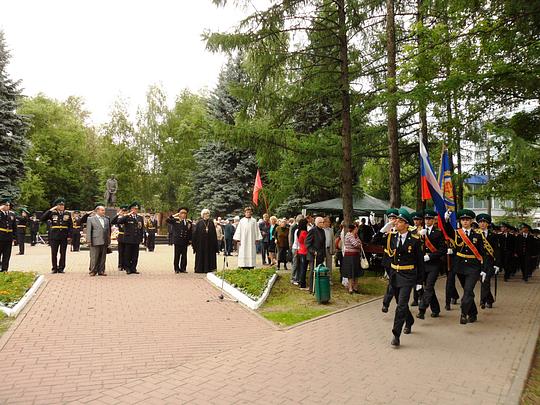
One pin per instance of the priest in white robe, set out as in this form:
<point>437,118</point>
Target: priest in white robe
<point>247,234</point>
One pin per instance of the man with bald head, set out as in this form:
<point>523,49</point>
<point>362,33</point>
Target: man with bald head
<point>98,235</point>
<point>316,246</point>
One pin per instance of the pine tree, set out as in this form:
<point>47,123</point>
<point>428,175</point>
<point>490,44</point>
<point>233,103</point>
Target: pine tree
<point>13,128</point>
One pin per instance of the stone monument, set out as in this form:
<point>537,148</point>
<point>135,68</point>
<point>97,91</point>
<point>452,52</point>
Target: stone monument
<point>111,188</point>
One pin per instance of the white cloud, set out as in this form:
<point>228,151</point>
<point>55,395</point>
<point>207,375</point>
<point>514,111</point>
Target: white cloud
<point>101,49</point>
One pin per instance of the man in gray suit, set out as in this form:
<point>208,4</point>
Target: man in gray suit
<point>98,235</point>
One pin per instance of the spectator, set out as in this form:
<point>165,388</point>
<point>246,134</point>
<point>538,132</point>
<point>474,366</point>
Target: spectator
<point>272,241</point>
<point>281,236</point>
<point>330,245</point>
<point>293,243</point>
<point>264,227</point>
<point>228,233</point>
<point>316,245</point>
<point>350,267</point>
<point>301,253</point>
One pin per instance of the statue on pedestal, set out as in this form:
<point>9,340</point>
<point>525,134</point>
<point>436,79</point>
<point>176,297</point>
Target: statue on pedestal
<point>110,191</point>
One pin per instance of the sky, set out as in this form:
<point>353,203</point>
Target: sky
<point>105,49</point>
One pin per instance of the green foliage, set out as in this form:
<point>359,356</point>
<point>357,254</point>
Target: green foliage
<point>250,282</point>
<point>13,286</point>
<point>13,129</point>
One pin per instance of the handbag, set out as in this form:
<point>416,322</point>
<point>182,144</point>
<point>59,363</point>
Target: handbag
<point>364,262</point>
<point>109,250</point>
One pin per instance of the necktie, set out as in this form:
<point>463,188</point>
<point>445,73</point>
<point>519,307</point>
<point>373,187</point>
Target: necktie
<point>399,243</point>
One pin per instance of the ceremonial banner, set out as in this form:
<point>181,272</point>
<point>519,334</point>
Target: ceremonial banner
<point>430,186</point>
<point>256,188</point>
<point>445,181</point>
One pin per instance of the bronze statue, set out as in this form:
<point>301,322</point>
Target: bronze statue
<point>110,192</point>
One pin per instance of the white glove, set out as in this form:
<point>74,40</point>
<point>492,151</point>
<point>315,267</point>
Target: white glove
<point>449,252</point>
<point>387,227</point>
<point>483,275</point>
<point>423,232</point>
<point>447,215</point>
<point>418,287</point>
<point>426,257</point>
<point>497,270</point>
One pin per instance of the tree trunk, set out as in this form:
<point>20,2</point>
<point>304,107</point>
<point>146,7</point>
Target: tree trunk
<point>422,106</point>
<point>346,143</point>
<point>391,86</point>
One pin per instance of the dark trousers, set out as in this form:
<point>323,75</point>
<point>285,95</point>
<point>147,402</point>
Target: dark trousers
<point>131,257</point>
<point>525,265</point>
<point>151,242</point>
<point>180,258</point>
<point>468,282</point>
<point>416,296</point>
<point>451,290</point>
<point>429,299</point>
<point>58,266</point>
<point>121,255</point>
<point>228,246</point>
<point>33,238</point>
<point>302,270</point>
<point>485,290</point>
<point>5,253</point>
<point>264,252</point>
<point>76,241</point>
<point>508,265</point>
<point>320,259</point>
<point>389,294</point>
<point>20,242</point>
<point>403,315</point>
<point>98,255</point>
<point>170,238</point>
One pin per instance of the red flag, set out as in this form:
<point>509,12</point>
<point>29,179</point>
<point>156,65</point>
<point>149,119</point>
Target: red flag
<point>258,187</point>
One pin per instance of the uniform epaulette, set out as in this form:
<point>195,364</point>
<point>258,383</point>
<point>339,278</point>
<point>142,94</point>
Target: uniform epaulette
<point>412,228</point>
<point>415,235</point>
<point>478,231</point>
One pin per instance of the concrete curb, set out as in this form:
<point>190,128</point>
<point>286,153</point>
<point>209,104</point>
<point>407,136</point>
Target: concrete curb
<point>25,299</point>
<point>239,295</point>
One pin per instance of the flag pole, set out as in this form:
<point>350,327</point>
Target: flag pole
<point>265,201</point>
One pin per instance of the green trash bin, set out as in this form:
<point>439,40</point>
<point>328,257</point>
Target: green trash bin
<point>322,284</point>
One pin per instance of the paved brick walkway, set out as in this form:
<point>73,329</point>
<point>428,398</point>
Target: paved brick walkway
<point>91,340</point>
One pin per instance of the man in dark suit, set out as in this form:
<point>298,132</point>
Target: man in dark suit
<point>61,226</point>
<point>98,235</point>
<point>434,251</point>
<point>406,258</point>
<point>120,237</point>
<point>22,225</point>
<point>8,231</point>
<point>507,243</point>
<point>133,236</point>
<point>182,229</point>
<point>34,229</point>
<point>492,259</point>
<point>316,247</point>
<point>525,250</point>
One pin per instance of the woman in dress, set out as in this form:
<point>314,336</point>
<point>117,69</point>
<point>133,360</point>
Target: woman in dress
<point>205,244</point>
<point>350,267</point>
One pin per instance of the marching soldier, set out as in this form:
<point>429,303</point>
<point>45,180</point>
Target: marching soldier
<point>133,236</point>
<point>60,233</point>
<point>150,226</point>
<point>34,229</point>
<point>468,247</point>
<point>524,251</point>
<point>406,258</point>
<point>507,244</point>
<point>182,229</point>
<point>8,231</point>
<point>22,224</point>
<point>492,259</point>
<point>418,225</point>
<point>76,236</point>
<point>391,214</point>
<point>434,252</point>
<point>120,238</point>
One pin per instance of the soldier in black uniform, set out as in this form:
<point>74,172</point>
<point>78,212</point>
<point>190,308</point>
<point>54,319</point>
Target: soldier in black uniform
<point>60,233</point>
<point>133,236</point>
<point>391,214</point>
<point>22,224</point>
<point>404,252</point>
<point>76,236</point>
<point>507,244</point>
<point>492,259</point>
<point>34,229</point>
<point>434,252</point>
<point>120,238</point>
<point>468,247</point>
<point>181,236</point>
<point>418,225</point>
<point>525,251</point>
<point>150,226</point>
<point>8,231</point>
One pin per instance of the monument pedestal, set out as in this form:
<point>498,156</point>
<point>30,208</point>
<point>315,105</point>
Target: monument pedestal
<point>111,212</point>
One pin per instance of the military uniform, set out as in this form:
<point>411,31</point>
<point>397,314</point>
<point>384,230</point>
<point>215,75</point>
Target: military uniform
<point>434,252</point>
<point>120,239</point>
<point>525,250</point>
<point>59,233</point>
<point>34,229</point>
<point>133,236</point>
<point>22,224</point>
<point>405,255</point>
<point>389,293</point>
<point>151,230</point>
<point>8,231</point>
<point>507,245</point>
<point>181,237</point>
<point>76,235</point>
<point>467,263</point>
<point>492,261</point>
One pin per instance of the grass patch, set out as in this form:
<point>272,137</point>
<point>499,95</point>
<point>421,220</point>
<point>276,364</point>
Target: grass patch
<point>531,393</point>
<point>13,286</point>
<point>5,321</point>
<point>288,305</point>
<point>250,282</point>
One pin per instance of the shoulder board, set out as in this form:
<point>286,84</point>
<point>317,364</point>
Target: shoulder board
<point>478,231</point>
<point>412,228</point>
<point>415,235</point>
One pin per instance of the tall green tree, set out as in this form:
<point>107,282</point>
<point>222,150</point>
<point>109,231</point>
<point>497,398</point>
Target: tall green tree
<point>13,129</point>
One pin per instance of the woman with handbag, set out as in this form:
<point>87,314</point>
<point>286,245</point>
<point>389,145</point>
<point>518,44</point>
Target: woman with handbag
<point>350,268</point>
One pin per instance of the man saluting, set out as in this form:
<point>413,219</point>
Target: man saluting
<point>60,233</point>
<point>8,231</point>
<point>404,252</point>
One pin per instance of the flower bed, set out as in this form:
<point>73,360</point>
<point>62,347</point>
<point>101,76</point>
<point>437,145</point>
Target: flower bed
<point>16,289</point>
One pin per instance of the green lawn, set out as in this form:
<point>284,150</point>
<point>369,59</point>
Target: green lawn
<point>13,286</point>
<point>531,393</point>
<point>288,305</point>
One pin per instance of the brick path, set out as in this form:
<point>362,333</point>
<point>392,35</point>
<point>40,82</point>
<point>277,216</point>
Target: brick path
<point>109,349</point>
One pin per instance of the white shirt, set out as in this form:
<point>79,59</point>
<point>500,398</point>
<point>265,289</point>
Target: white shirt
<point>429,229</point>
<point>101,221</point>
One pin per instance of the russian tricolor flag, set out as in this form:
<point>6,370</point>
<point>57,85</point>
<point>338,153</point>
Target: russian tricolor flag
<point>431,188</point>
